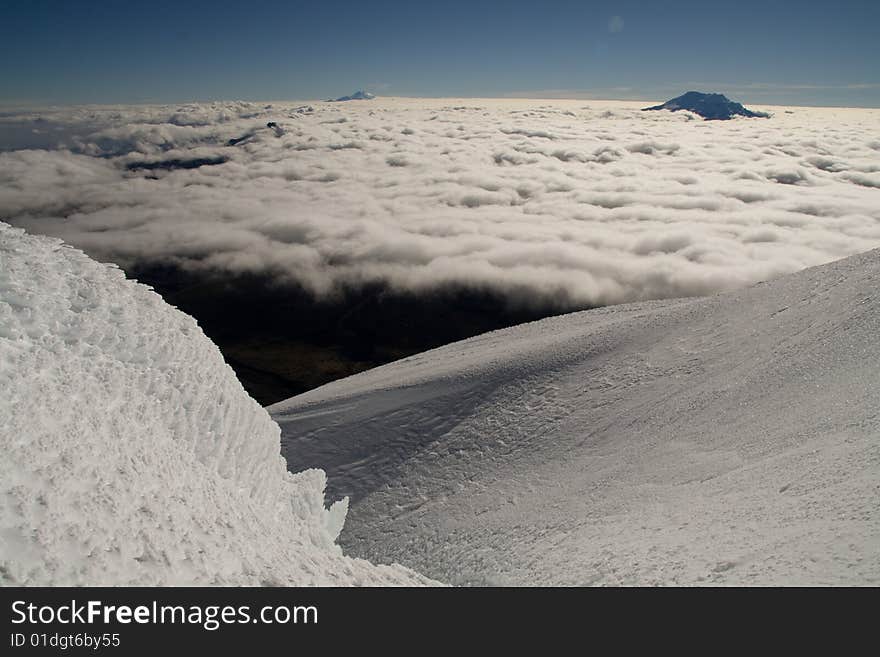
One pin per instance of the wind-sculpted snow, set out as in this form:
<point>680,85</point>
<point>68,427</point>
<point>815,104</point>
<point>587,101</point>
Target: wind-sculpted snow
<point>550,203</point>
<point>732,439</point>
<point>131,454</point>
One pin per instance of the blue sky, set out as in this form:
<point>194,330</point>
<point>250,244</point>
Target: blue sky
<point>805,52</point>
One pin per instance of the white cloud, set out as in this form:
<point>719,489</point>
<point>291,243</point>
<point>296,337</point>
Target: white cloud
<point>548,202</point>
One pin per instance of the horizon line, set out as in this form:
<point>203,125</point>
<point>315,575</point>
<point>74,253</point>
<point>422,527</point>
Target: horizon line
<point>37,104</point>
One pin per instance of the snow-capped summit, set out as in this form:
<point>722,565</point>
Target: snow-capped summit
<point>357,95</point>
<point>131,453</point>
<point>712,107</point>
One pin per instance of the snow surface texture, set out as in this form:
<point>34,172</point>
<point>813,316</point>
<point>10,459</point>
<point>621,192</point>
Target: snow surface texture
<point>131,454</point>
<point>732,439</point>
<point>549,202</point>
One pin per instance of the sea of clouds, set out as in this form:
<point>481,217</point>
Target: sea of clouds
<point>566,203</point>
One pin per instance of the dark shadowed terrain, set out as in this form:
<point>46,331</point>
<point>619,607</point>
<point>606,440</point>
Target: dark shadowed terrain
<point>281,341</point>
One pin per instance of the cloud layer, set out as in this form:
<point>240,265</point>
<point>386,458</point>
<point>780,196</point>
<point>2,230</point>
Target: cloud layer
<point>565,203</point>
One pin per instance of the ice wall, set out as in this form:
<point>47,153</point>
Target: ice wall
<point>131,453</point>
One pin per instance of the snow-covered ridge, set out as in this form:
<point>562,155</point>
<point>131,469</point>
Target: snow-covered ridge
<point>131,454</point>
<point>732,439</point>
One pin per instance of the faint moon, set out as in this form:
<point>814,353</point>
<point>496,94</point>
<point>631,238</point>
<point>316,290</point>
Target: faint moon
<point>615,24</point>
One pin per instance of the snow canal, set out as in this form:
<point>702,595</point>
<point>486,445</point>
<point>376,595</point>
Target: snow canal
<point>132,455</point>
<point>730,439</point>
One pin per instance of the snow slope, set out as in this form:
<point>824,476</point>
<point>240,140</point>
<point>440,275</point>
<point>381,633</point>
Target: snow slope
<point>131,454</point>
<point>731,439</point>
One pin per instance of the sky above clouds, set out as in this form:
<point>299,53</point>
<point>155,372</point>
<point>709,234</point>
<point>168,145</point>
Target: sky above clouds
<point>807,52</point>
<point>549,203</point>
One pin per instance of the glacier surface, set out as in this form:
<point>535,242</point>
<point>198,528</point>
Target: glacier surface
<point>730,439</point>
<point>132,455</point>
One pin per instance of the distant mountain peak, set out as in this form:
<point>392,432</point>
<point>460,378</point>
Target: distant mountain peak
<point>712,107</point>
<point>357,95</point>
